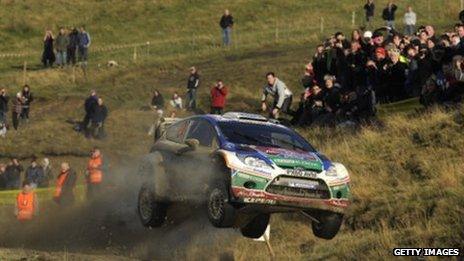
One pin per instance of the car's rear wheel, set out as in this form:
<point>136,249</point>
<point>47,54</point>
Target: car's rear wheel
<point>220,212</point>
<point>256,227</point>
<point>152,212</point>
<point>328,226</point>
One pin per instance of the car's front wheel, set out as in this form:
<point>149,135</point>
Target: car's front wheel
<point>220,213</point>
<point>256,227</point>
<point>328,226</point>
<point>152,212</point>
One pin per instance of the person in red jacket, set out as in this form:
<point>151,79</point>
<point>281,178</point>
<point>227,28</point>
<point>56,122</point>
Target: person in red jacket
<point>218,97</point>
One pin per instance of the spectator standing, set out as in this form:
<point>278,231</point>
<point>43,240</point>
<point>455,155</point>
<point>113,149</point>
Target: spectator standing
<point>2,176</point>
<point>27,100</point>
<point>98,119</point>
<point>3,105</point>
<point>388,15</point>
<point>83,45</point>
<point>72,46</point>
<point>65,184</point>
<point>409,21</point>
<point>13,174</point>
<point>61,46</point>
<point>34,173</point>
<point>226,23</point>
<point>176,101</point>
<point>17,110</point>
<point>48,55</point>
<point>282,96</point>
<point>89,106</point>
<point>192,85</point>
<point>308,80</point>
<point>369,8</point>
<point>218,97</point>
<point>47,173</point>
<point>94,174</point>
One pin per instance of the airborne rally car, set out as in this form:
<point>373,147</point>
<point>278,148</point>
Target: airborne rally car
<point>244,167</point>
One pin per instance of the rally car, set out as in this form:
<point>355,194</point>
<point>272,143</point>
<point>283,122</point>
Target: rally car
<point>244,167</point>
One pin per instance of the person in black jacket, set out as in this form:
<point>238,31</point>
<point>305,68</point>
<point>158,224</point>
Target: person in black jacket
<point>157,101</point>
<point>3,105</point>
<point>13,174</point>
<point>396,71</point>
<point>369,7</point>
<point>2,176</point>
<point>192,85</point>
<point>89,107</point>
<point>226,23</point>
<point>48,55</point>
<point>98,119</point>
<point>27,99</point>
<point>72,46</point>
<point>388,14</point>
<point>34,173</point>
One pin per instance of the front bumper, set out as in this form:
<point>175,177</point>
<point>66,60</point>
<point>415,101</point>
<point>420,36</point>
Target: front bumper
<point>335,198</point>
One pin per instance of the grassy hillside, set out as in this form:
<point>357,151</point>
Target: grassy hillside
<point>407,174</point>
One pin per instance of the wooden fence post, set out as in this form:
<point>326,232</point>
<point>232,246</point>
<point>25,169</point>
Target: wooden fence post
<point>322,25</point>
<point>24,73</point>
<point>73,77</point>
<point>276,34</point>
<point>353,19</point>
<point>134,57</point>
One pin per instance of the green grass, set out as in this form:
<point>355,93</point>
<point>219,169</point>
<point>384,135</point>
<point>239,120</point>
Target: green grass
<point>407,174</point>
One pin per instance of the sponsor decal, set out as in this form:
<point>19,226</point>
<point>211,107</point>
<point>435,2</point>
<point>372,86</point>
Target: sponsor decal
<point>259,201</point>
<point>296,163</point>
<point>300,172</point>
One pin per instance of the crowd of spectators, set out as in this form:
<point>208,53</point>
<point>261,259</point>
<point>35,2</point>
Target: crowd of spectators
<point>37,174</point>
<point>67,48</point>
<point>21,104</point>
<point>347,77</point>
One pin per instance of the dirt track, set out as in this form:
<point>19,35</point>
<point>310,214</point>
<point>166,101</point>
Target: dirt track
<point>106,229</point>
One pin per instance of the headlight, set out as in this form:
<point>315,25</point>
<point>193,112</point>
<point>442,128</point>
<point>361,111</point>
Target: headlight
<point>337,170</point>
<point>331,172</point>
<point>255,162</point>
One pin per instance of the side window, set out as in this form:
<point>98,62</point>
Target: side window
<point>176,132</point>
<point>203,132</point>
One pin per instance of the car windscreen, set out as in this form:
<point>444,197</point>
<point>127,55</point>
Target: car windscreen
<point>263,135</point>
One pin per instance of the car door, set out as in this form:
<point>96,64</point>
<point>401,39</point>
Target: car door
<point>194,168</point>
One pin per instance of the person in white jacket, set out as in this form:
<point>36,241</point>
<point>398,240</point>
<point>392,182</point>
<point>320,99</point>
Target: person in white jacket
<point>409,21</point>
<point>282,96</point>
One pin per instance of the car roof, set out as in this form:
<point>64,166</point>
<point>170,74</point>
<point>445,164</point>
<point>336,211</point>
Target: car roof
<point>239,117</point>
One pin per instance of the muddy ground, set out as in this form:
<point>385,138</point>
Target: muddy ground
<point>107,229</point>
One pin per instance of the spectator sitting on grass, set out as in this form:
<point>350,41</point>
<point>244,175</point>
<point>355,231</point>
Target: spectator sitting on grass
<point>157,101</point>
<point>176,101</point>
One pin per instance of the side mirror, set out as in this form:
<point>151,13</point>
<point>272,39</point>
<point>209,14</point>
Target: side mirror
<point>192,145</point>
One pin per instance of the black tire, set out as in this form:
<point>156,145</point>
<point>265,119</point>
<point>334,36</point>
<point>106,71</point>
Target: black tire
<point>220,212</point>
<point>256,227</point>
<point>328,226</point>
<point>152,213</point>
